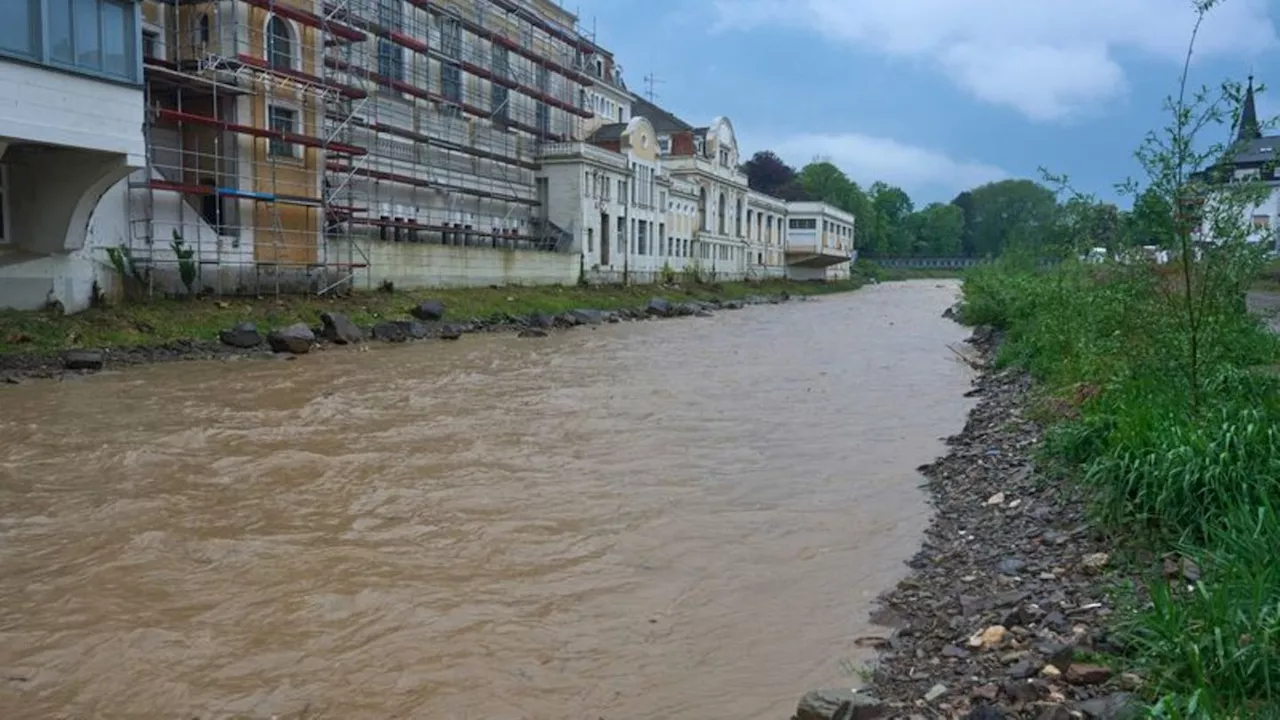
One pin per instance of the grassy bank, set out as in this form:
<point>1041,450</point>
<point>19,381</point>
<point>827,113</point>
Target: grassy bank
<point>160,321</point>
<point>1179,451</point>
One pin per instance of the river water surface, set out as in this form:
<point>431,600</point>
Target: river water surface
<point>685,519</point>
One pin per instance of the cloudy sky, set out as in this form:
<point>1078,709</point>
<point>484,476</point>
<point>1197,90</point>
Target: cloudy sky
<point>935,95</point>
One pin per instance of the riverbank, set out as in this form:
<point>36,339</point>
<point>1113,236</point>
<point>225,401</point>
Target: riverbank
<point>1130,567</point>
<point>1004,613</point>
<point>47,344</point>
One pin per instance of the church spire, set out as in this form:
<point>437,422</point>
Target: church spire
<point>1248,129</point>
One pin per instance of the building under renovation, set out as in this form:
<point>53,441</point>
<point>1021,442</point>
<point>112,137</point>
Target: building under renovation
<point>319,145</point>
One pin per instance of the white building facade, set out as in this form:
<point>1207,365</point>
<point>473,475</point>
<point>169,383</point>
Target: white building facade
<point>71,129</point>
<point>819,242</point>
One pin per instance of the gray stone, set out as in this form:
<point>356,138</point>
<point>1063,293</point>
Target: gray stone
<point>83,359</point>
<point>587,316</point>
<point>243,335</point>
<point>296,339</point>
<point>541,320</point>
<point>451,332</point>
<point>389,332</point>
<point>1024,669</point>
<point>412,328</point>
<point>1011,566</point>
<point>685,309</point>
<point>935,692</point>
<point>428,310</point>
<point>659,307</point>
<point>1055,712</point>
<point>338,328</point>
<point>838,704</point>
<point>731,305</point>
<point>985,712</point>
<point>1121,706</point>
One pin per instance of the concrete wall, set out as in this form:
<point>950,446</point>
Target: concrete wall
<point>417,265</point>
<point>70,110</point>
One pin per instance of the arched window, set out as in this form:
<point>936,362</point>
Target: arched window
<point>702,208</point>
<point>280,43</point>
<point>720,216</point>
<point>737,218</point>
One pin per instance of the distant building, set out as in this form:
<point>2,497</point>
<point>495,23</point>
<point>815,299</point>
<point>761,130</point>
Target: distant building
<point>1255,156</point>
<point>819,241</point>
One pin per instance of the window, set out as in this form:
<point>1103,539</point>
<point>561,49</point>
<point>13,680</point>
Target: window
<point>150,44</point>
<point>96,36</point>
<point>591,240</point>
<point>803,224</point>
<point>544,118</point>
<point>279,43</point>
<point>450,37</point>
<point>202,28</point>
<point>544,79</point>
<point>451,83</point>
<point>664,145</point>
<point>285,120</point>
<point>720,215</point>
<point>390,60</point>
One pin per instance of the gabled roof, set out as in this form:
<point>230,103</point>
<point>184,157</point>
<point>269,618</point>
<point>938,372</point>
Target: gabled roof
<point>663,122</point>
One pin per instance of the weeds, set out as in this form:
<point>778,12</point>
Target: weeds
<point>1162,395</point>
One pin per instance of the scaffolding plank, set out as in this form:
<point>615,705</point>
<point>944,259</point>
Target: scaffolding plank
<point>352,92</point>
<point>424,182</point>
<point>310,19</point>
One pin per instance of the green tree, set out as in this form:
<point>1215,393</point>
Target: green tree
<point>1011,213</point>
<point>938,230</point>
<point>891,208</point>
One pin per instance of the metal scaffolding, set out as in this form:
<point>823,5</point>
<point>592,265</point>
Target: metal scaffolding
<point>286,136</point>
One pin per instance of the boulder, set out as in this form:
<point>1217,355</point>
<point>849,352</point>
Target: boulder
<point>539,319</point>
<point>658,307</point>
<point>412,328</point>
<point>450,332</point>
<point>838,704</point>
<point>243,335</point>
<point>587,317</point>
<point>732,305</point>
<point>83,359</point>
<point>389,332</point>
<point>338,328</point>
<point>428,310</point>
<point>296,339</point>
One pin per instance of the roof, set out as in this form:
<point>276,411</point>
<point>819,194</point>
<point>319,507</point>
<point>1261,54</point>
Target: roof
<point>663,122</point>
<point>604,133</point>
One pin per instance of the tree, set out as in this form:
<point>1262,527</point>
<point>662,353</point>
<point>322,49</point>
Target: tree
<point>824,182</point>
<point>892,209</point>
<point>1010,213</point>
<point>964,201</point>
<point>938,230</point>
<point>767,173</point>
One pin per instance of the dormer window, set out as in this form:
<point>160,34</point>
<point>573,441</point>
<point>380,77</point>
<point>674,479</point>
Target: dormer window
<point>664,145</point>
<point>599,68</point>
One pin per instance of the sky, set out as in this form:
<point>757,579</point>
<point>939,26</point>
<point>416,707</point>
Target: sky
<point>936,96</point>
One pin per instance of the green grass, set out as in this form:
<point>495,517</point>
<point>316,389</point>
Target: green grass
<point>1165,468</point>
<point>160,321</point>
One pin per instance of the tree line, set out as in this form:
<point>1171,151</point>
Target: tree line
<point>984,221</point>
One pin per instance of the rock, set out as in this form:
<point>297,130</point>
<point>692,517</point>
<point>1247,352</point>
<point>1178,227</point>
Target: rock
<point>389,332</point>
<point>1010,566</point>
<point>540,320</point>
<point>952,651</point>
<point>83,359</point>
<point>1024,669</point>
<point>1130,681</point>
<point>658,307</point>
<point>428,310</point>
<point>1050,671</point>
<point>989,692</point>
<point>985,712</point>
<point>1059,655</point>
<point>532,333</point>
<point>339,329</point>
<point>935,692</point>
<point>989,638</point>
<point>1085,674</point>
<point>1095,561</point>
<point>244,335</point>
<point>450,332</point>
<point>997,499</point>
<point>587,317</point>
<point>1121,706</point>
<point>731,305</point>
<point>838,704</point>
<point>685,309</point>
<point>1023,691</point>
<point>296,339</point>
<point>1055,712</point>
<point>412,328</point>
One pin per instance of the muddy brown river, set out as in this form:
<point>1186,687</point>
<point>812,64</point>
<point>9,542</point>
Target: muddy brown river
<point>685,519</point>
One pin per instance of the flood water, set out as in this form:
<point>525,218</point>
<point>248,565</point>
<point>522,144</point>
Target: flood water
<point>686,519</point>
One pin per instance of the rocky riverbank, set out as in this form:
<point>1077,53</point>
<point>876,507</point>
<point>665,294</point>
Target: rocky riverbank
<point>1004,612</point>
<point>426,320</point>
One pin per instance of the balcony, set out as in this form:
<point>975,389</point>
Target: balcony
<point>810,250</point>
<point>580,151</point>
